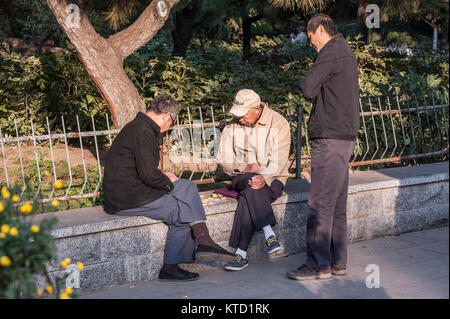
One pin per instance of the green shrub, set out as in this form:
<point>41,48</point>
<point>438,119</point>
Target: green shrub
<point>25,249</point>
<point>57,84</point>
<point>54,85</point>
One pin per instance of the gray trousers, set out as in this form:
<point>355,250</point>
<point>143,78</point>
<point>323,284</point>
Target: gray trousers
<point>326,229</point>
<point>177,209</point>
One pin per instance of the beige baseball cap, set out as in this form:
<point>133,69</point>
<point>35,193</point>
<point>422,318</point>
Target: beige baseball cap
<point>244,101</point>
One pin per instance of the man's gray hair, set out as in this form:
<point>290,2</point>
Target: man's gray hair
<point>325,21</point>
<point>164,103</point>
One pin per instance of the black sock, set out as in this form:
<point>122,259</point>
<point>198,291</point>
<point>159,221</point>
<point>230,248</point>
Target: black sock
<point>170,268</point>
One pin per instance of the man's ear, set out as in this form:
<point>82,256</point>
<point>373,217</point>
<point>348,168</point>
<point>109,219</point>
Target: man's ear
<point>321,29</point>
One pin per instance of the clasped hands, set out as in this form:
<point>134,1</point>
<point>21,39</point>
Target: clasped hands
<point>257,181</point>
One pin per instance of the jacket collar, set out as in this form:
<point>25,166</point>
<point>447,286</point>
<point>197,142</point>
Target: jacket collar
<point>334,38</point>
<point>148,121</point>
<point>265,116</point>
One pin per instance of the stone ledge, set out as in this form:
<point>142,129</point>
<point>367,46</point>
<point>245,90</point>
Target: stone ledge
<point>94,219</point>
<point>398,176</point>
<point>118,249</point>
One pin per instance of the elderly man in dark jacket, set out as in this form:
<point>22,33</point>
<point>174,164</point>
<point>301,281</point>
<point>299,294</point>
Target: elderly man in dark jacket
<point>331,84</point>
<point>133,185</point>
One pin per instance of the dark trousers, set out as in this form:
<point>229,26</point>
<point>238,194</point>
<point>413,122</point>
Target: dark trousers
<point>326,229</point>
<point>254,209</point>
<point>177,209</point>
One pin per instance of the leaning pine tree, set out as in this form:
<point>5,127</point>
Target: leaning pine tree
<point>103,57</point>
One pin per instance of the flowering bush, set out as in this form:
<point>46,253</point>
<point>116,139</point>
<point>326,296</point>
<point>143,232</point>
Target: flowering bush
<point>25,249</point>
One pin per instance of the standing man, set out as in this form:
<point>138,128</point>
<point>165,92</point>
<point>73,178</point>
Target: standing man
<point>331,84</point>
<point>254,148</point>
<point>134,186</point>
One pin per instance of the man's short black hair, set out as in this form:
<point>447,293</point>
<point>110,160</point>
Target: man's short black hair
<point>163,103</point>
<point>323,20</point>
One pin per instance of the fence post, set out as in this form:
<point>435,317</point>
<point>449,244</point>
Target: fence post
<point>298,155</point>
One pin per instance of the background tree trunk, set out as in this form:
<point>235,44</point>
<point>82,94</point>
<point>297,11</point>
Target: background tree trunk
<point>247,34</point>
<point>103,58</point>
<point>361,27</point>
<point>9,9</point>
<point>435,38</point>
<point>182,34</point>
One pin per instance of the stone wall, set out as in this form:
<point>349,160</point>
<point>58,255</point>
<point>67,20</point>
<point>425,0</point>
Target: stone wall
<point>117,250</point>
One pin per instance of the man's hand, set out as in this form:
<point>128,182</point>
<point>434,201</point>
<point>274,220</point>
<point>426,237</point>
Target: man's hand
<point>257,182</point>
<point>252,168</point>
<point>171,176</point>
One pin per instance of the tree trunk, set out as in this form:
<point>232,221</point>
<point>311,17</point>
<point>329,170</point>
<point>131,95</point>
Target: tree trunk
<point>182,34</point>
<point>103,58</point>
<point>247,34</point>
<point>10,10</point>
<point>361,27</point>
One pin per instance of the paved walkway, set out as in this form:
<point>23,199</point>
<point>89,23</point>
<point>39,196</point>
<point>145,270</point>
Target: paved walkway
<point>412,265</point>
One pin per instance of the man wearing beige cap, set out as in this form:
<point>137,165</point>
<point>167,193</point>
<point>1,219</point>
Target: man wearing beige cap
<point>254,149</point>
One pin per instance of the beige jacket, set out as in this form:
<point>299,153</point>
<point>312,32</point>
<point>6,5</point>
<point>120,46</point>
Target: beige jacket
<point>266,144</point>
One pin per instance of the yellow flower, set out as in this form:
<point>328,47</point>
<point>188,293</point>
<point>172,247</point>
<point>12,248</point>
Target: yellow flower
<point>1,207</point>
<point>39,292</point>
<point>15,198</point>
<point>80,265</point>
<point>5,261</point>
<point>26,208</point>
<point>5,229</point>
<point>5,192</point>
<point>58,184</point>
<point>69,290</point>
<point>64,296</point>
<point>2,236</point>
<point>14,231</point>
<point>55,203</point>
<point>49,289</point>
<point>47,173</point>
<point>34,228</point>
<point>65,262</point>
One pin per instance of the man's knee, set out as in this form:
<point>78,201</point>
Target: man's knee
<point>249,191</point>
<point>276,188</point>
<point>185,183</point>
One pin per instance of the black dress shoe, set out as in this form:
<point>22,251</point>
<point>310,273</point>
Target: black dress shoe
<point>216,252</point>
<point>179,275</point>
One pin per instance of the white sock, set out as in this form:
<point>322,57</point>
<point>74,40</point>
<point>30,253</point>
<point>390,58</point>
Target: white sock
<point>242,253</point>
<point>268,231</point>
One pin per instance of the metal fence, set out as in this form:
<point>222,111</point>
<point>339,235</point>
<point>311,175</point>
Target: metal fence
<point>392,130</point>
<point>396,129</point>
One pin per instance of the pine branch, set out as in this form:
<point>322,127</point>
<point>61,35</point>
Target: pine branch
<point>143,29</point>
